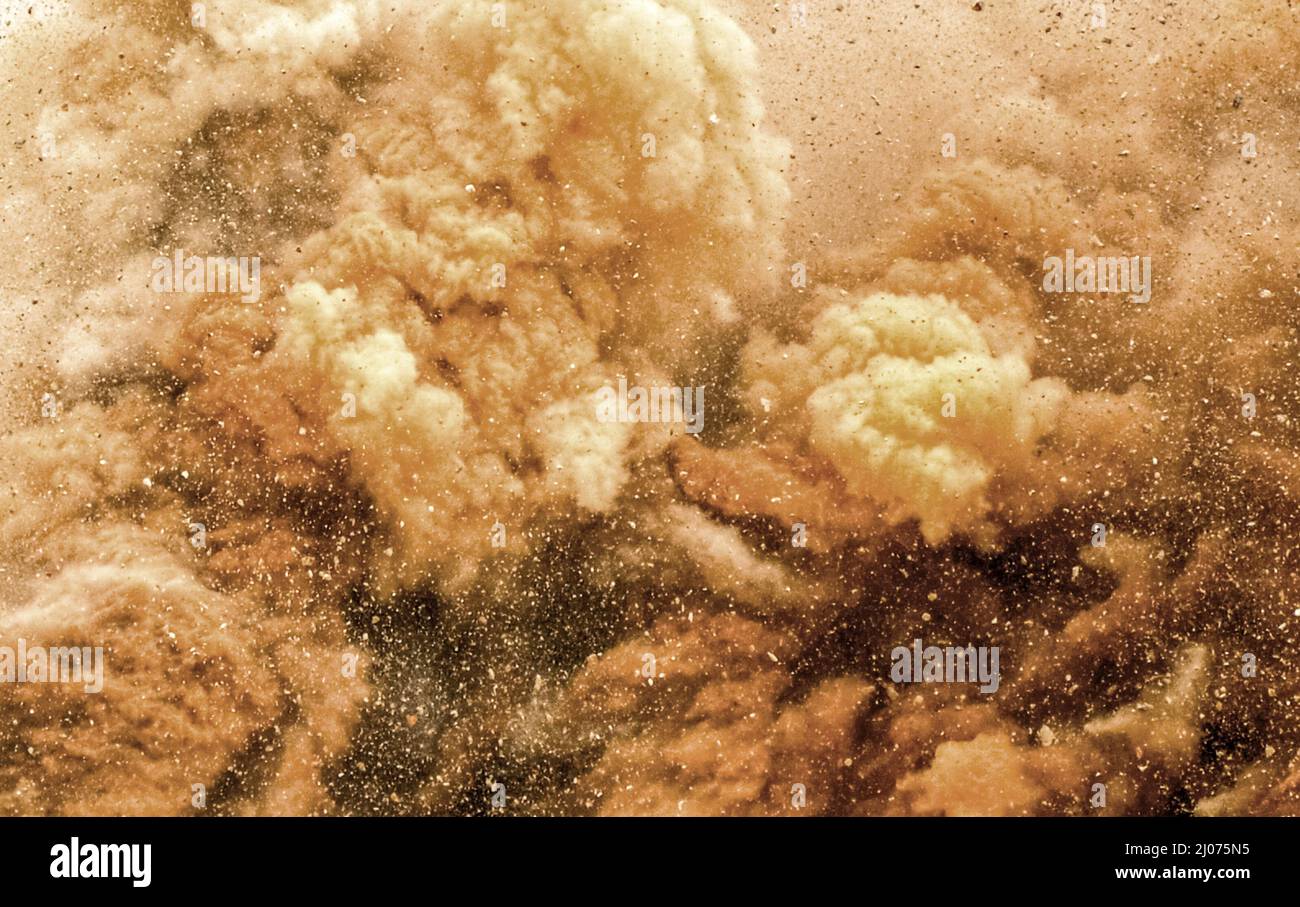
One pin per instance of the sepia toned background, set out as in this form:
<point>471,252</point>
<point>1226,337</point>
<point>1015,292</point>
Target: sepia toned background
<point>366,545</point>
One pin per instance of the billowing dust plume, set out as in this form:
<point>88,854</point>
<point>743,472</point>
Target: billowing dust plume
<point>361,541</point>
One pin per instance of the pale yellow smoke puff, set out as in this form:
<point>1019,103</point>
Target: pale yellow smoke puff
<point>903,395</point>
